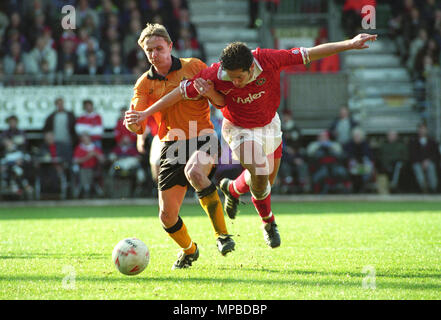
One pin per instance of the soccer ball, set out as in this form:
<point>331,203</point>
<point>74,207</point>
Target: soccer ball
<point>131,256</point>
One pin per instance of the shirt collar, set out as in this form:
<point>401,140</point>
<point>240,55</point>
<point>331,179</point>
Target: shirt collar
<point>222,74</point>
<point>153,75</point>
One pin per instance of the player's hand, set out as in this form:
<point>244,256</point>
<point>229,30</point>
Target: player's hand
<point>203,87</point>
<point>133,117</point>
<point>359,41</point>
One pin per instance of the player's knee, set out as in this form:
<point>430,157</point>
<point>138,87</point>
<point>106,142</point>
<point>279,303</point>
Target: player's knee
<point>260,187</point>
<point>194,174</point>
<point>168,218</point>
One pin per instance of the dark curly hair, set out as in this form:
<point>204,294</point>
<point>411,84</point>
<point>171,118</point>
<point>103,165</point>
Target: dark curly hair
<point>236,56</point>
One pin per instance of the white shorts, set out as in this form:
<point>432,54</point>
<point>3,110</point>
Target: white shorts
<point>269,136</point>
<point>155,151</point>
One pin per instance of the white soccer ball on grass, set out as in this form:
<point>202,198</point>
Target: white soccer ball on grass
<point>131,256</point>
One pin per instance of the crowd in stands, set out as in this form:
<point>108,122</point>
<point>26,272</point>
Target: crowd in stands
<point>104,40</point>
<point>415,27</point>
<point>343,160</point>
<point>72,161</point>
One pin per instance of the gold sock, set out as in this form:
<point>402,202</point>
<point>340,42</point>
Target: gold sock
<point>180,235</point>
<point>213,208</point>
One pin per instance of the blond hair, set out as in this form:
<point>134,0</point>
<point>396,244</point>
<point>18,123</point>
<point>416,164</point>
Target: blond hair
<point>153,30</point>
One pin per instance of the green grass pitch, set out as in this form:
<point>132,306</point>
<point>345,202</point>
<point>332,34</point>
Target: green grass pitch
<point>330,250</point>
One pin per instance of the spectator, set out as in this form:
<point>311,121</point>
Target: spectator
<point>14,35</point>
<point>359,160</point>
<point>188,47</point>
<point>15,168</point>
<point>157,8</point>
<point>411,22</point>
<point>62,123</point>
<point>42,53</point>
<point>91,24</point>
<point>19,71</point>
<point>111,37</point>
<point>85,12</point>
<point>17,136</point>
<point>126,162</point>
<point>84,49</point>
<point>92,68</point>
<point>392,155</point>
<point>185,22</point>
<point>121,131</point>
<point>415,46</point>
<point>115,67</point>
<point>424,157</point>
<point>328,172</point>
<point>176,8</point>
<point>131,39</point>
<point>90,123</point>
<point>126,14</point>
<point>67,54</point>
<point>327,64</point>
<point>293,167</point>
<point>14,58</point>
<point>341,128</point>
<point>426,58</point>
<point>112,22</point>
<point>15,23</point>
<point>88,159</point>
<point>37,25</point>
<point>50,166</point>
<point>428,10</point>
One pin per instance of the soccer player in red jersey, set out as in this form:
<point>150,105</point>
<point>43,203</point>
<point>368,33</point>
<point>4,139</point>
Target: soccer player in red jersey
<point>250,82</point>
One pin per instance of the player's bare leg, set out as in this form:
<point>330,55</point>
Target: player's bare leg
<point>170,202</point>
<point>197,171</point>
<point>276,165</point>
<point>253,158</point>
<point>233,189</point>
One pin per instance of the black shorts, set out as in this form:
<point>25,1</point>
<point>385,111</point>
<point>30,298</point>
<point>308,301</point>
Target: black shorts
<point>175,155</point>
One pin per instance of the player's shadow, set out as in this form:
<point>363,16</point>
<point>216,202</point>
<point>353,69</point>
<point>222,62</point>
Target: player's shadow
<point>356,282</point>
<point>348,274</point>
<point>151,211</point>
<point>44,255</point>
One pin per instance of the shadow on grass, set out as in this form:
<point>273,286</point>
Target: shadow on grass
<point>196,210</point>
<point>26,256</point>
<point>416,274</point>
<point>258,281</point>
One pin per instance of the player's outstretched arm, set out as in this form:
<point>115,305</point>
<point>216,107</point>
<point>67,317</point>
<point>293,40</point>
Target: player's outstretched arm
<point>331,48</point>
<point>134,118</point>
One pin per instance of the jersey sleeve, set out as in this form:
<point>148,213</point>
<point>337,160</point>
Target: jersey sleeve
<point>186,87</point>
<point>281,58</point>
<point>140,100</point>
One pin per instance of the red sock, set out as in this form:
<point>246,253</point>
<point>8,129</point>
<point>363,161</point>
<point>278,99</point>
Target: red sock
<point>263,207</point>
<point>239,186</point>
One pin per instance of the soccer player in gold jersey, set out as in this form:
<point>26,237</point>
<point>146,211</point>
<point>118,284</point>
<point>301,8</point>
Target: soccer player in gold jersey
<point>190,145</point>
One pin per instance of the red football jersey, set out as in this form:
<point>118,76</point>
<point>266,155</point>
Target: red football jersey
<point>256,104</point>
<point>90,123</point>
<point>83,150</point>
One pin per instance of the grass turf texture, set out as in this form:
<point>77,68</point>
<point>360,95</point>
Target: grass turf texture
<point>328,251</point>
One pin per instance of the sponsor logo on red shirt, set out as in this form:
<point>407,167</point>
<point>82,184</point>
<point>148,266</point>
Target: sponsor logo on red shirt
<point>250,98</point>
